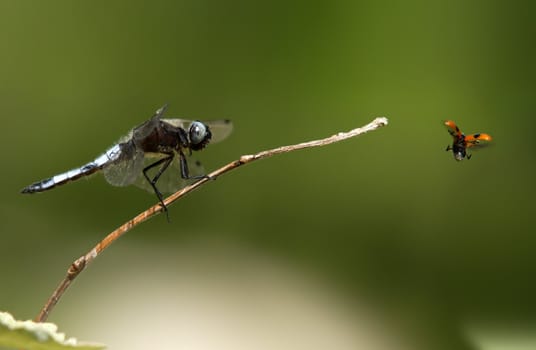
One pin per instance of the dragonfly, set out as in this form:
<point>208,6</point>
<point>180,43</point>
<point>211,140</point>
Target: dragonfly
<point>146,152</point>
<point>460,141</point>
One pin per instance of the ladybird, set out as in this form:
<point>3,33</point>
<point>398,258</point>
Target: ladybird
<point>461,142</point>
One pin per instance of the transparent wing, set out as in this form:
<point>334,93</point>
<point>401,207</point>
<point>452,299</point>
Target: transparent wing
<point>220,129</point>
<point>147,127</point>
<point>178,122</point>
<point>129,165</point>
<point>170,181</point>
<point>126,168</point>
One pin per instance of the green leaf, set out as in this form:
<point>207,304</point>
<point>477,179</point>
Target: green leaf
<point>31,335</point>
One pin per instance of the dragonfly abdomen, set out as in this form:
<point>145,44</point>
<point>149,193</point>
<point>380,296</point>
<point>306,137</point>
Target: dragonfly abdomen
<point>104,159</point>
<point>61,179</point>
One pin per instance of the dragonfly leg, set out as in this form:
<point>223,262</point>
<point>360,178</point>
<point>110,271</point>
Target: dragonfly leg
<point>163,163</point>
<point>185,173</point>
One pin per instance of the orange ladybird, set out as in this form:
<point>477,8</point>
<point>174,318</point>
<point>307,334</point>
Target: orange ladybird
<point>461,142</point>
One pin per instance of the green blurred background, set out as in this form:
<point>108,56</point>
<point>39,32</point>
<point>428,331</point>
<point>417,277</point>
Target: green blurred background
<point>440,254</point>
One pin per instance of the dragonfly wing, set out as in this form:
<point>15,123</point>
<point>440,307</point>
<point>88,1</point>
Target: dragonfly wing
<point>178,122</point>
<point>146,128</point>
<point>126,168</point>
<point>221,129</point>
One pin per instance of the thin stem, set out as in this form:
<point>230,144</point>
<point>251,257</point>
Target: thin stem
<point>80,264</point>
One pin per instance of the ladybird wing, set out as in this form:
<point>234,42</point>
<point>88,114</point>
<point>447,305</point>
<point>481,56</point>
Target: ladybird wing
<point>453,129</point>
<point>478,140</point>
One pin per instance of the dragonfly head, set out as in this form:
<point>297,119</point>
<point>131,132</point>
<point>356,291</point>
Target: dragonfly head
<point>199,135</point>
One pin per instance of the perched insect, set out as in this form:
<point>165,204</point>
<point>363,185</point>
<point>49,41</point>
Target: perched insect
<point>461,142</point>
<point>156,144</point>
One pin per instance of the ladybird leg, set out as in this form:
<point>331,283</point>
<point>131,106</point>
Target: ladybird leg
<point>469,156</point>
<point>448,148</point>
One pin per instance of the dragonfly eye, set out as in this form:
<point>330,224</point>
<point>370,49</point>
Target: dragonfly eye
<point>199,135</point>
